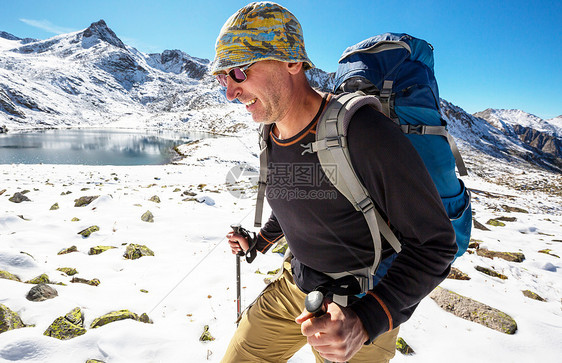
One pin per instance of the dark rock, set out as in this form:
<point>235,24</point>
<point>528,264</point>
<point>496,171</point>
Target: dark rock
<point>514,209</point>
<point>480,226</point>
<point>508,256</point>
<point>473,310</point>
<point>18,198</point>
<point>506,219</point>
<point>54,206</point>
<point>92,282</point>
<point>84,201</point>
<point>9,319</point>
<point>457,274</point>
<point>41,292</point>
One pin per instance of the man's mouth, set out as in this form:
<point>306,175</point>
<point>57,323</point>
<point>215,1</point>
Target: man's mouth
<point>250,102</point>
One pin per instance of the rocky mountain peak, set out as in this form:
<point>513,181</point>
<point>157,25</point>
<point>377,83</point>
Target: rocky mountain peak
<point>101,31</point>
<point>8,36</point>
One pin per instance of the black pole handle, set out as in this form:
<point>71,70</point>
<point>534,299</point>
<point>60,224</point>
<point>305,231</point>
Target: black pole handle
<point>314,303</point>
<point>237,228</point>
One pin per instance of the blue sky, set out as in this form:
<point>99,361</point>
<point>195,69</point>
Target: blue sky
<point>498,54</point>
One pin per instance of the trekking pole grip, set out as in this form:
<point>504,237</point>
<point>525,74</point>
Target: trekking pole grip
<point>236,228</point>
<point>314,303</point>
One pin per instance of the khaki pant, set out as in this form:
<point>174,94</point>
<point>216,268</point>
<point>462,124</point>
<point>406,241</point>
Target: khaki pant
<point>268,332</point>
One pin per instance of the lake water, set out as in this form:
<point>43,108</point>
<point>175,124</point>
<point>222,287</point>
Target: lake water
<point>92,146</point>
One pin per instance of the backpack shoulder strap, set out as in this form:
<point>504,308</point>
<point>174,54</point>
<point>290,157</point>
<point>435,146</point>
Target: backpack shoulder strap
<point>262,181</point>
<point>331,146</point>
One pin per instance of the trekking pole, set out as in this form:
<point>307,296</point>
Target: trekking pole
<point>314,304</point>
<point>236,229</point>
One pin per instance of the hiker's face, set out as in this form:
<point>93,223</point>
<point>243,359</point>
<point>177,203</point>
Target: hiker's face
<point>264,92</point>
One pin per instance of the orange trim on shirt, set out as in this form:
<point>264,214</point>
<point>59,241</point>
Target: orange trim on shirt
<point>294,141</point>
<point>269,243</point>
<point>383,305</point>
<point>311,129</point>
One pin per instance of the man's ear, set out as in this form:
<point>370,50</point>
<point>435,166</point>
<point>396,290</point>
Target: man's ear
<point>294,68</point>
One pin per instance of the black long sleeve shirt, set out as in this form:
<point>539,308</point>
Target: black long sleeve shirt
<point>326,233</point>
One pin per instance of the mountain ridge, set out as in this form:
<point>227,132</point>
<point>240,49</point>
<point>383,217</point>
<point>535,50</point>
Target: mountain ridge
<point>90,77</point>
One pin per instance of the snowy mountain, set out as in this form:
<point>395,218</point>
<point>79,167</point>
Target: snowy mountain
<point>91,77</point>
<point>514,136</point>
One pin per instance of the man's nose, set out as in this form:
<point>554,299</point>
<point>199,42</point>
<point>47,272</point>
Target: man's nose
<point>232,89</point>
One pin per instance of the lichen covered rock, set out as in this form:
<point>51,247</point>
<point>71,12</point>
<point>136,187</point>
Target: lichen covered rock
<point>88,231</point>
<point>490,272</point>
<point>206,336</point>
<point>8,276</point>
<point>92,282</point>
<point>68,250</point>
<point>99,249</point>
<point>69,271</point>
<point>147,217</point>
<point>473,310</point>
<point>457,274</point>
<point>67,327</point>
<point>135,251</point>
<point>9,319</point>
<point>55,207</point>
<point>403,347</point>
<point>532,295</point>
<point>495,223</point>
<point>508,256</point>
<point>119,315</point>
<point>41,279</point>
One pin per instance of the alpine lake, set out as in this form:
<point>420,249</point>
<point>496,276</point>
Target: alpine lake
<point>93,146</point>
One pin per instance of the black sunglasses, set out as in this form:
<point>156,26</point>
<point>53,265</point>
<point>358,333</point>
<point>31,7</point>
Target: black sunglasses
<point>237,74</point>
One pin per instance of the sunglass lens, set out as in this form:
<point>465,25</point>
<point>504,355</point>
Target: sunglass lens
<point>237,75</point>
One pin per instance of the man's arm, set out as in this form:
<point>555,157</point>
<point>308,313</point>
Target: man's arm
<point>399,184</point>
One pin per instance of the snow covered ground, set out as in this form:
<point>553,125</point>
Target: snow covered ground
<point>190,281</point>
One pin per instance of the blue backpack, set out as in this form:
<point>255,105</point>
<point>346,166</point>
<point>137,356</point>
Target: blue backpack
<point>398,70</point>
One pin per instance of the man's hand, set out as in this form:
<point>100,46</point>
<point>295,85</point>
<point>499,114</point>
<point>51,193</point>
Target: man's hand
<point>237,242</point>
<point>336,335</point>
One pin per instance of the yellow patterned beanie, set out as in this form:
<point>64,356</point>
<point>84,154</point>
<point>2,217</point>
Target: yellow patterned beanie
<point>259,31</point>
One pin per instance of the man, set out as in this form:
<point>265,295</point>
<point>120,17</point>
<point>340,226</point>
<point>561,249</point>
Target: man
<point>261,60</point>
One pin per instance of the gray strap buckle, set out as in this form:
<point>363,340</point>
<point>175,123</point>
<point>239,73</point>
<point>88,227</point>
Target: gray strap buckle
<point>415,129</point>
<point>334,142</point>
<point>365,205</point>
